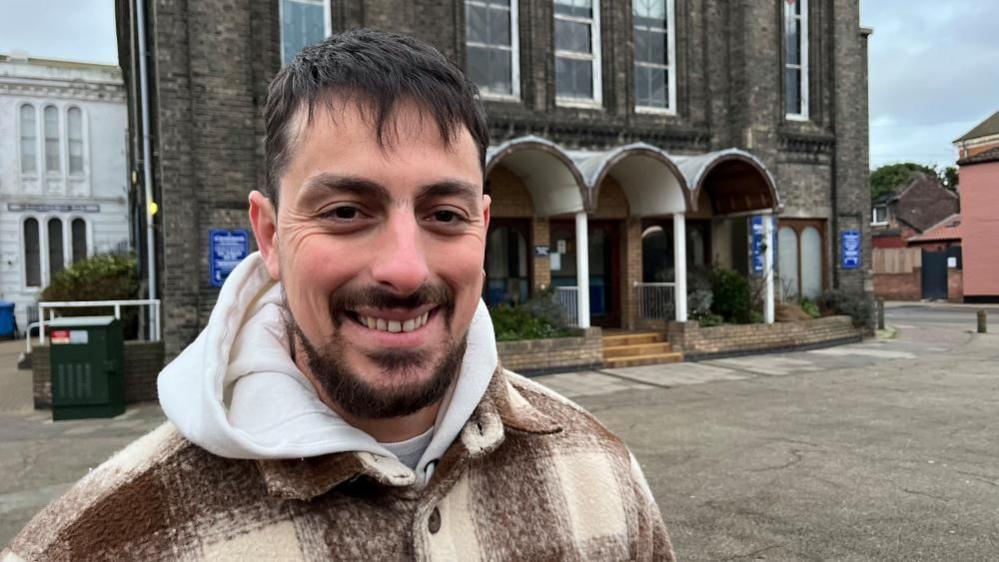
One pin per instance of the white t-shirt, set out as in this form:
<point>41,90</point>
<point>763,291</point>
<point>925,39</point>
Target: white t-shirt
<point>410,450</point>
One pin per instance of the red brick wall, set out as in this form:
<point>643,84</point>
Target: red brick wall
<point>695,341</point>
<point>955,285</point>
<point>899,286</point>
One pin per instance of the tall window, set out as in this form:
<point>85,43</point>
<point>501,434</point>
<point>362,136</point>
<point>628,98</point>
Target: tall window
<point>492,46</point>
<point>79,231</point>
<point>303,22</point>
<point>52,139</point>
<point>56,258</point>
<point>29,140</point>
<point>796,58</point>
<point>577,51</point>
<point>32,254</point>
<point>655,81</point>
<point>74,130</point>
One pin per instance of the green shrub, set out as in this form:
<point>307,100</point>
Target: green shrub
<point>99,278</point>
<point>732,299</point>
<point>709,320</point>
<point>538,318</point>
<point>810,308</point>
<point>856,306</point>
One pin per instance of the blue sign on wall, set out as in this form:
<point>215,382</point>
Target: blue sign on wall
<point>850,249</point>
<point>226,248</point>
<point>756,224</point>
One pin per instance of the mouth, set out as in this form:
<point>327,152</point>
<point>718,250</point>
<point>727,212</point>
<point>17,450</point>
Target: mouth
<point>392,321</point>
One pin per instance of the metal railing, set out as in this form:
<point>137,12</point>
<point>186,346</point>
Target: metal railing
<point>655,300</point>
<point>152,329</point>
<point>567,298</point>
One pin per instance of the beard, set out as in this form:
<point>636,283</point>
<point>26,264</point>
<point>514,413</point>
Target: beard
<point>405,394</point>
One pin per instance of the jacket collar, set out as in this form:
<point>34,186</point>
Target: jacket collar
<point>502,408</point>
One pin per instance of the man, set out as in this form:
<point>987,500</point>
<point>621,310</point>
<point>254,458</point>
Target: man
<point>345,400</point>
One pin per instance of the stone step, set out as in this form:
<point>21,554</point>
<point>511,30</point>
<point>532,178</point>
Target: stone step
<point>633,339</point>
<point>654,359</point>
<point>617,351</point>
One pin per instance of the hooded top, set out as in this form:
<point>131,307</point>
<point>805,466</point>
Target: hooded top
<point>237,393</point>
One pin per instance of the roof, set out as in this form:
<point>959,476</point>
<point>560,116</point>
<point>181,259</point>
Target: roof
<point>947,229</point>
<point>986,128</point>
<point>991,155</point>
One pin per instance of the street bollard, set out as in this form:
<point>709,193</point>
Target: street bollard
<point>881,314</point>
<point>982,322</point>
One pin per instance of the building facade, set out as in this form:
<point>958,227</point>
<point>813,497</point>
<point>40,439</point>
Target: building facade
<point>63,171</point>
<point>659,135</point>
<point>978,169</point>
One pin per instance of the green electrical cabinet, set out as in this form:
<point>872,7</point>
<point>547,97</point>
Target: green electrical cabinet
<point>87,361</point>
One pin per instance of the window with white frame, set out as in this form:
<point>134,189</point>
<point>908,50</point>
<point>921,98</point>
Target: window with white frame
<point>577,51</point>
<point>303,22</point>
<point>492,47</point>
<point>655,79</point>
<point>32,254</point>
<point>52,160</point>
<point>49,251</point>
<point>29,139</point>
<point>879,215</point>
<point>79,239</point>
<point>796,58</point>
<point>74,130</point>
<point>57,256</point>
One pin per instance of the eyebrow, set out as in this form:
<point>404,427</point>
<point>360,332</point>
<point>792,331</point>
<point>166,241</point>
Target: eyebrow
<point>467,192</point>
<point>336,183</point>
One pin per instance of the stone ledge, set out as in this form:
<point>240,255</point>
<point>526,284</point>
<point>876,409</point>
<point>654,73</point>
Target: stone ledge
<point>698,343</point>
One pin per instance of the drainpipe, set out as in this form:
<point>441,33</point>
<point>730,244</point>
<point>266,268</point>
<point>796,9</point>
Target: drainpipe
<point>147,167</point>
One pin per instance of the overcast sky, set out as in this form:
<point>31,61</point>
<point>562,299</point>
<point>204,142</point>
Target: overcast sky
<point>934,65</point>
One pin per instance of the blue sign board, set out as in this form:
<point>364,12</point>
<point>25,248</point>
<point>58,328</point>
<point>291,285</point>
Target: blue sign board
<point>226,248</point>
<point>756,223</point>
<point>850,249</point>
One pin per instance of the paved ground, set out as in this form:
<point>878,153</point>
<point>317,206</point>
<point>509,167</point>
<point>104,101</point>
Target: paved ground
<point>880,450</point>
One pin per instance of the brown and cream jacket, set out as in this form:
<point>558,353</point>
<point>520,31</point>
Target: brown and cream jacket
<point>531,477</point>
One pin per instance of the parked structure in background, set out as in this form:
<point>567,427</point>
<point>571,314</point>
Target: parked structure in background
<point>979,173</point>
<point>63,171</point>
<point>631,140</point>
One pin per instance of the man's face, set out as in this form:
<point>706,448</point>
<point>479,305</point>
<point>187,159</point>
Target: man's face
<point>379,248</point>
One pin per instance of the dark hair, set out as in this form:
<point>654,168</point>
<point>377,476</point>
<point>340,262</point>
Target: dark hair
<point>375,70</point>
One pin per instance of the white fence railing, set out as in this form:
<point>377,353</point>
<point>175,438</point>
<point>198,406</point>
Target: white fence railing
<point>655,301</point>
<point>152,328</point>
<point>567,298</point>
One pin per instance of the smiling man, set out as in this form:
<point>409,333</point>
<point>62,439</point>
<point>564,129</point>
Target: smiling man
<point>345,400</point>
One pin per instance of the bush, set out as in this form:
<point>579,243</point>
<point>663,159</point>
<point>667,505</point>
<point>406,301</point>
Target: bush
<point>539,318</point>
<point>857,307</point>
<point>709,320</point>
<point>100,278</point>
<point>810,308</point>
<point>731,296</point>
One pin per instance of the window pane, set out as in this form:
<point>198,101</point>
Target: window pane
<point>499,27</point>
<point>79,240</point>
<point>499,72</point>
<point>51,139</point>
<point>792,90</point>
<point>302,24</point>
<point>642,85</point>
<point>29,152</point>
<point>651,9</point>
<point>475,23</point>
<point>573,78</point>
<point>74,126</point>
<point>811,262</point>
<point>574,8</point>
<point>32,254</point>
<point>792,40</point>
<point>572,36</point>
<point>56,261</point>
<point>787,261</point>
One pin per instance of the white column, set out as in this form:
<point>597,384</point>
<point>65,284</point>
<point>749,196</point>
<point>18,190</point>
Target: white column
<point>582,270</point>
<point>680,266</point>
<point>768,269</point>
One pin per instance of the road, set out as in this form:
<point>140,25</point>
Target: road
<point>881,450</point>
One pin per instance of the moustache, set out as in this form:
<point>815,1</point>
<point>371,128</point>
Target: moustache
<point>345,300</point>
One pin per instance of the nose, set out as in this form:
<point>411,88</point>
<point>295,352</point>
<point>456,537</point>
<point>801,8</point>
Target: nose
<point>399,261</point>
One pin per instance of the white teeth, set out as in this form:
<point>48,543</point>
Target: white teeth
<point>423,319</point>
<point>394,326</point>
<point>381,325</point>
<point>371,322</point>
<point>409,325</point>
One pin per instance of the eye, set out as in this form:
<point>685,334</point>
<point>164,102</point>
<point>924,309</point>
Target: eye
<point>446,216</point>
<point>343,213</point>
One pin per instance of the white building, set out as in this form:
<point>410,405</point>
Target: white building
<point>63,171</point>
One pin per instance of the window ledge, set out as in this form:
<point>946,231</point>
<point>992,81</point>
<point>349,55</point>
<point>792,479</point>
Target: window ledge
<point>504,98</point>
<point>648,110</point>
<point>579,104</point>
<point>796,117</point>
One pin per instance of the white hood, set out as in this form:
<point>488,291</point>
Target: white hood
<point>236,392</point>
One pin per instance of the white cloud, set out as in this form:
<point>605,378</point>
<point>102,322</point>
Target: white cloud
<point>66,29</point>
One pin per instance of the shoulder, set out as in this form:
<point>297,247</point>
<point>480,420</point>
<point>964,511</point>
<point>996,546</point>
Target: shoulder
<point>118,506</point>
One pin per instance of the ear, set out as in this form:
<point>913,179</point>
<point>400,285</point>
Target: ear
<point>486,203</point>
<point>263,217</point>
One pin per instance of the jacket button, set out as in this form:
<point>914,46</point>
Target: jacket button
<point>434,523</point>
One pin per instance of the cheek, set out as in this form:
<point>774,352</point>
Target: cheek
<point>314,267</point>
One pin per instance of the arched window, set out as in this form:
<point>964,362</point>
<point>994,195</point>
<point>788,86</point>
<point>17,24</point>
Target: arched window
<point>811,262</point>
<point>29,142</point>
<point>74,130</point>
<point>79,240</point>
<point>52,139</point>
<point>787,249</point>
<point>32,254</point>
<point>56,257</point>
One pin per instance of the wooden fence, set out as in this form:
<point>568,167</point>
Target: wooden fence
<point>897,260</point>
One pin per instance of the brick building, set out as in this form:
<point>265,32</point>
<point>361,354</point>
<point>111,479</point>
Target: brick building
<point>897,217</point>
<point>650,132</point>
<point>978,167</point>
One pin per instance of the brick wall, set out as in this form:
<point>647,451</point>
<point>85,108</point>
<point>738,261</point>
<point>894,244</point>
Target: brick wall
<point>899,286</point>
<point>734,339</point>
<point>143,362</point>
<point>955,285</point>
<point>553,355</point>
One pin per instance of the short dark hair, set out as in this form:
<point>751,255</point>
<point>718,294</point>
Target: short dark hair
<point>375,70</point>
